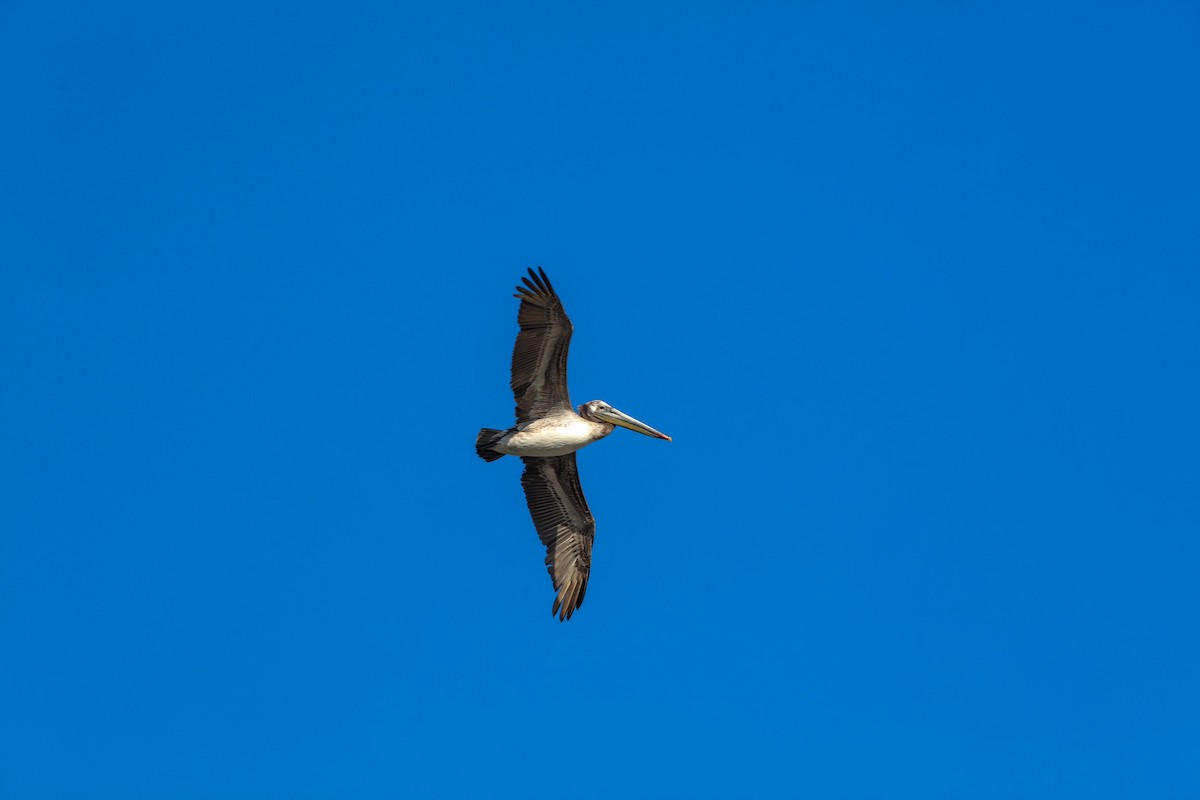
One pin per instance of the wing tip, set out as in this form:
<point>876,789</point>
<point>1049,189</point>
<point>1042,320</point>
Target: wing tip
<point>537,284</point>
<point>569,600</point>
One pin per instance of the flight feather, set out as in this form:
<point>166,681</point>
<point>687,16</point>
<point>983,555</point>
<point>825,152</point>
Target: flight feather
<point>564,524</point>
<point>539,360</point>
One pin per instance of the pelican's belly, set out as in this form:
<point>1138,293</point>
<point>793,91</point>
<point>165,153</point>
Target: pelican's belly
<point>545,438</point>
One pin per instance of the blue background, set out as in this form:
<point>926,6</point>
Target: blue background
<point>917,292</point>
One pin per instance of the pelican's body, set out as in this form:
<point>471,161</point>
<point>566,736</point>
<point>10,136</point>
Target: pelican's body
<point>546,436</point>
<point>552,436</point>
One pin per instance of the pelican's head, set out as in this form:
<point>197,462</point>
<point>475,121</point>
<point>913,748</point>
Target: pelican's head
<point>600,411</point>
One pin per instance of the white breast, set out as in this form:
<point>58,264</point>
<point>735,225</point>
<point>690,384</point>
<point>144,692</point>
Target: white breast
<point>551,437</point>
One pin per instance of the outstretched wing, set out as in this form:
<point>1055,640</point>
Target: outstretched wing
<point>564,524</point>
<point>539,361</point>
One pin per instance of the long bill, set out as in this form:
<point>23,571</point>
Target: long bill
<point>626,421</point>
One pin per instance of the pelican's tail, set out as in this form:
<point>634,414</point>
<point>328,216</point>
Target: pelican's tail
<point>484,441</point>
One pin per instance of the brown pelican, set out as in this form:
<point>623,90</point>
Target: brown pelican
<point>546,436</point>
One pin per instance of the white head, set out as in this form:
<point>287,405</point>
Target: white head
<point>600,411</point>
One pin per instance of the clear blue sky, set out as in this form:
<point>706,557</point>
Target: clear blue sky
<point>916,292</point>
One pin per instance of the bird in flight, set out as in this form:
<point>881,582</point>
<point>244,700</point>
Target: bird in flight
<point>547,434</point>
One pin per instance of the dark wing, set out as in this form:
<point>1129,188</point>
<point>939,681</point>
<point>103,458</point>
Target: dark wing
<point>564,524</point>
<point>539,362</point>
